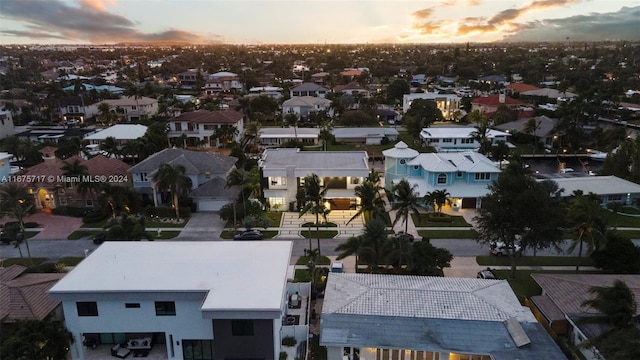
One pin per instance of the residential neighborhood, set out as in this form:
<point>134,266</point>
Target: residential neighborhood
<point>344,202</point>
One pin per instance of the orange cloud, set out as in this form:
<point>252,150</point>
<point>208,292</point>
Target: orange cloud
<point>422,14</point>
<point>99,5</point>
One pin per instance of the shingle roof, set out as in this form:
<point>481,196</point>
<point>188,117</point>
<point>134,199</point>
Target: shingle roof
<point>206,116</point>
<point>546,125</point>
<point>195,162</point>
<point>26,296</point>
<point>494,100</point>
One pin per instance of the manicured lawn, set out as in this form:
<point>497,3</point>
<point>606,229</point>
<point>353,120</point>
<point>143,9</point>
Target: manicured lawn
<point>148,222</point>
<point>301,275</point>
<point>78,234</point>
<point>304,260</point>
<point>22,261</point>
<point>448,234</point>
<point>620,220</point>
<point>631,234</point>
<point>322,225</point>
<point>166,234</point>
<point>422,220</point>
<point>275,217</point>
<point>71,260</point>
<point>228,234</point>
<point>322,234</point>
<point>535,261</point>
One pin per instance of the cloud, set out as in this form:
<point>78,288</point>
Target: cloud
<point>620,25</point>
<point>473,2</point>
<point>422,14</point>
<point>89,20</point>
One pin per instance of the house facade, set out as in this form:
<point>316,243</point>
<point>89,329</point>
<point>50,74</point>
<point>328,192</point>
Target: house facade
<point>279,136</point>
<point>364,135</point>
<point>202,127</point>
<point>466,176</point>
<point>77,108</point>
<point>187,300</point>
<point>305,105</point>
<point>222,81</point>
<point>610,189</point>
<point>458,138</point>
<point>284,170</point>
<point>388,317</point>
<point>308,89</point>
<point>6,124</point>
<point>203,168</point>
<point>448,104</point>
<point>134,109</point>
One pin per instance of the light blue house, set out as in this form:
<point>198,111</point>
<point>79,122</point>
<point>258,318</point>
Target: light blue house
<point>466,176</point>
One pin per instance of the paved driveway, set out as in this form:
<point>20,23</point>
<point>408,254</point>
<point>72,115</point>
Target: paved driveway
<point>202,226</point>
<point>54,227</point>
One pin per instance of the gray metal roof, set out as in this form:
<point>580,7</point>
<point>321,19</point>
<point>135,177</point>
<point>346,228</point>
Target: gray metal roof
<point>216,189</point>
<point>400,150</point>
<point>280,158</point>
<point>195,162</point>
<point>363,132</point>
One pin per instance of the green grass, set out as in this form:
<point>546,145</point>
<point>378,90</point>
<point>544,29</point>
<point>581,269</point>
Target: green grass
<point>166,234</point>
<point>228,234</point>
<point>322,234</point>
<point>78,234</point>
<point>535,261</point>
<point>96,225</point>
<point>148,222</point>
<point>448,234</point>
<point>317,352</point>
<point>322,225</point>
<point>422,220</point>
<point>631,234</point>
<point>22,261</point>
<point>275,217</point>
<point>301,275</point>
<point>30,234</point>
<point>71,260</point>
<point>620,220</point>
<point>304,260</point>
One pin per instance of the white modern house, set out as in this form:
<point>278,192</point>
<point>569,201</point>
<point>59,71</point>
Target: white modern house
<point>466,176</point>
<point>206,127</point>
<point>277,136</point>
<point>610,188</point>
<point>284,170</point>
<point>6,124</point>
<point>447,103</point>
<point>389,317</point>
<point>458,138</point>
<point>123,133</point>
<point>179,300</point>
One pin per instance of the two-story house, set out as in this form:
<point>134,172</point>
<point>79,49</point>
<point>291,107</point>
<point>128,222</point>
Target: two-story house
<point>458,138</point>
<point>133,108</point>
<point>6,124</point>
<point>204,127</point>
<point>221,82</point>
<point>123,133</point>
<point>448,104</point>
<point>284,170</point>
<point>189,79</point>
<point>276,136</point>
<point>353,88</point>
<point>207,171</point>
<point>466,176</point>
<point>77,108</point>
<point>308,89</point>
<point>178,300</point>
<point>305,105</point>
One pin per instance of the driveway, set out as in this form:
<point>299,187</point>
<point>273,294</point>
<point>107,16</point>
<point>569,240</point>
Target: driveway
<point>54,227</point>
<point>202,226</point>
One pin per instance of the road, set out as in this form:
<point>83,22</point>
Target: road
<point>56,249</point>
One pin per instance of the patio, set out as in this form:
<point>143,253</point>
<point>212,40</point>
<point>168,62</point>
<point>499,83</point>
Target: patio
<point>103,352</point>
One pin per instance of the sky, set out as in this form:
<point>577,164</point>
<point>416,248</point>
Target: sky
<point>315,21</point>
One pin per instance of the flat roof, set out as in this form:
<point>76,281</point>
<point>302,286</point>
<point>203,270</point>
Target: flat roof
<point>281,158</point>
<point>120,132</point>
<point>235,275</point>
<point>601,185</point>
<point>288,132</point>
<point>464,132</point>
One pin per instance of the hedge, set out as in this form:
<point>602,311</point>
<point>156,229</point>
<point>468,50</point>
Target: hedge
<point>69,211</point>
<point>167,212</point>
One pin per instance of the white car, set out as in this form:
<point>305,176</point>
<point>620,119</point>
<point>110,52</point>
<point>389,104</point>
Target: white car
<point>499,249</point>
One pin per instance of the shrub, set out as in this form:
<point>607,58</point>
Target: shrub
<point>69,211</point>
<point>93,217</point>
<point>283,355</point>
<point>31,225</point>
<point>289,341</point>
<point>167,212</point>
<point>442,218</point>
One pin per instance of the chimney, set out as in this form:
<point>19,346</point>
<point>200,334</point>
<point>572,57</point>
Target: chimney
<point>501,98</point>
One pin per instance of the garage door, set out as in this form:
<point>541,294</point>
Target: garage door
<point>210,205</point>
<point>469,203</point>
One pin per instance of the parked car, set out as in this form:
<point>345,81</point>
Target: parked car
<point>499,249</point>
<point>337,267</point>
<point>6,239</point>
<point>249,235</point>
<point>404,236</point>
<point>99,238</point>
<point>486,274</point>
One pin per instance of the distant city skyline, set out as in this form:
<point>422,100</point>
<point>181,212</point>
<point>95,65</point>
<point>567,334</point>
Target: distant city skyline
<point>315,22</point>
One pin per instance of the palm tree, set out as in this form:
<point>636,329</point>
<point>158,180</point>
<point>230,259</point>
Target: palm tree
<point>584,215</point>
<point>104,113</point>
<point>530,127</point>
<point>127,227</point>
<point>110,146</point>
<point>616,303</point>
<point>482,131</point>
<point>16,202</point>
<point>404,199</point>
<point>292,120</point>
<point>350,247</point>
<point>226,133</point>
<point>439,198</point>
<point>374,245</point>
<point>77,170</point>
<point>313,200</point>
<point>237,178</point>
<point>173,179</point>
<point>371,201</point>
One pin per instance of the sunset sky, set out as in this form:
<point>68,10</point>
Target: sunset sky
<point>315,22</point>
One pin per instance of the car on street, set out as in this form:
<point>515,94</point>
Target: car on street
<point>5,238</point>
<point>249,235</point>
<point>487,274</point>
<point>499,248</point>
<point>404,236</point>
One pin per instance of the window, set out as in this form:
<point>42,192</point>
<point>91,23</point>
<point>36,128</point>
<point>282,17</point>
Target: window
<point>132,305</point>
<point>178,126</point>
<point>416,167</point>
<point>483,176</point>
<point>278,181</point>
<point>355,180</point>
<point>442,178</point>
<point>466,141</point>
<point>459,174</point>
<point>241,328</point>
<point>87,308</point>
<point>447,140</point>
<point>197,349</point>
<point>403,161</point>
<point>165,308</point>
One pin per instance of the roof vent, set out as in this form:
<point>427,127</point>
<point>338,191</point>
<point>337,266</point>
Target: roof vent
<point>517,332</point>
<point>469,158</point>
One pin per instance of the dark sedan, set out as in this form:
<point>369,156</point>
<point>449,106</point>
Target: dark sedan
<point>249,235</point>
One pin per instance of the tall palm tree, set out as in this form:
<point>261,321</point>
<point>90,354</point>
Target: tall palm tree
<point>371,201</point>
<point>16,202</point>
<point>110,146</point>
<point>585,217</point>
<point>105,114</point>
<point>76,169</point>
<point>374,245</point>
<point>136,93</point>
<point>173,179</point>
<point>439,198</point>
<point>616,303</point>
<point>404,199</point>
<point>237,178</point>
<point>350,247</point>
<point>313,200</point>
<point>226,133</point>
<point>292,120</point>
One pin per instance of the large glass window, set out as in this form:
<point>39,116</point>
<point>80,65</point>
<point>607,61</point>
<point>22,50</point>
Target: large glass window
<point>241,327</point>
<point>278,181</point>
<point>87,308</point>
<point>442,178</point>
<point>483,176</point>
<point>165,308</point>
<point>197,349</point>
